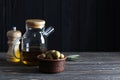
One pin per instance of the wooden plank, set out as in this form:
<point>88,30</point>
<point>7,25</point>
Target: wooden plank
<point>97,66</point>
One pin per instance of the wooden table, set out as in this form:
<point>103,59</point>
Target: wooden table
<point>90,66</point>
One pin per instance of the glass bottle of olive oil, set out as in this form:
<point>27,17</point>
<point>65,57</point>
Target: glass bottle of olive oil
<point>34,41</point>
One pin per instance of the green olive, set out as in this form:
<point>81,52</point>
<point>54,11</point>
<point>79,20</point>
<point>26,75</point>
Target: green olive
<point>62,56</point>
<point>42,56</point>
<point>49,56</point>
<point>56,54</point>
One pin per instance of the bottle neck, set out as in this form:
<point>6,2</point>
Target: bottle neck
<point>33,29</point>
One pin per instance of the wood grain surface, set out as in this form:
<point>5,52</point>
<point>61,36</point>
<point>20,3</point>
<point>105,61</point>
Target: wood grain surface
<point>90,66</point>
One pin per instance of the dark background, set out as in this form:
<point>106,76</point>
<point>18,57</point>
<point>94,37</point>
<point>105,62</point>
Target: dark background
<point>80,25</point>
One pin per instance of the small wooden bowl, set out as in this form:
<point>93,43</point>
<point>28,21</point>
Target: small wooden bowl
<point>51,65</point>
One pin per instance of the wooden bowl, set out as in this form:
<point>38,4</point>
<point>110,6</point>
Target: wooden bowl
<point>51,65</point>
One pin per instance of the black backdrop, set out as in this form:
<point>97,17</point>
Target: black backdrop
<point>80,25</point>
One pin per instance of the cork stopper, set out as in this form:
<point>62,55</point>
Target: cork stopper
<point>35,23</point>
<point>14,33</point>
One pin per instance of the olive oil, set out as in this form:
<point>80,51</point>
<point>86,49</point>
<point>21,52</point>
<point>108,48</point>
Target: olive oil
<point>30,58</point>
